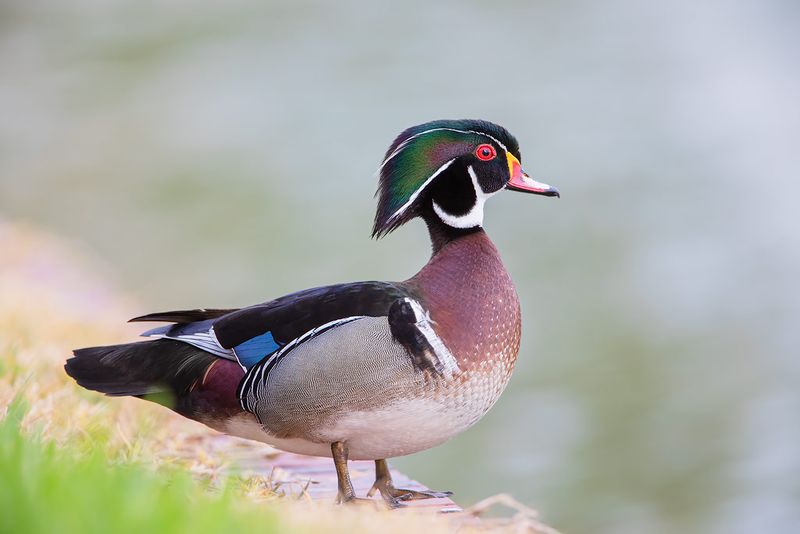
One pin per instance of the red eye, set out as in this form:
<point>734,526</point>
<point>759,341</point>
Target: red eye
<point>485,152</point>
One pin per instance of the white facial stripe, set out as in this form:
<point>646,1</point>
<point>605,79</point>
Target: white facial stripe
<point>473,217</point>
<point>405,143</point>
<point>416,193</point>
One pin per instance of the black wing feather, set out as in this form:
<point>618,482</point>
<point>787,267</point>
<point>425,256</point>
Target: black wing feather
<point>182,316</point>
<point>405,323</point>
<point>291,316</point>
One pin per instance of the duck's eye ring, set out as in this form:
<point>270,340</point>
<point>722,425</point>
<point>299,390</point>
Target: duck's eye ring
<point>485,152</point>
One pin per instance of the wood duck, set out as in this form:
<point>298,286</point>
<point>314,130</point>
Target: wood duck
<point>364,370</point>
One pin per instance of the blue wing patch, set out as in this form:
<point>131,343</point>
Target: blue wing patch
<point>255,349</point>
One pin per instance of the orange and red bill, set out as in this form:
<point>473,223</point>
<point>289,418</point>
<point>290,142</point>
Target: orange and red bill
<point>522,182</point>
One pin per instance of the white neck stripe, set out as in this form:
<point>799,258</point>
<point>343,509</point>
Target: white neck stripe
<point>416,193</point>
<point>473,217</point>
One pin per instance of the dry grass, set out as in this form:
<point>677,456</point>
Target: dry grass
<point>49,305</point>
<point>53,299</point>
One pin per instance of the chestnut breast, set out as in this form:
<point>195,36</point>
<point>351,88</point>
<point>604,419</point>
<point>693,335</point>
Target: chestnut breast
<point>472,299</point>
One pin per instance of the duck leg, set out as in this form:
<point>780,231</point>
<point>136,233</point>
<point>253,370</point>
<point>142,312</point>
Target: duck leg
<point>346,492</point>
<point>392,495</point>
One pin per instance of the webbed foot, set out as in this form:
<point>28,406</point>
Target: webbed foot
<point>394,496</point>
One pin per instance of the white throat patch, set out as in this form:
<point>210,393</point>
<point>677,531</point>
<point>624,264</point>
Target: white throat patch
<point>473,217</point>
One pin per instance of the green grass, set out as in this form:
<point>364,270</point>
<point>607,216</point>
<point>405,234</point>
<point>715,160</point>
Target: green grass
<point>49,489</point>
<point>73,460</point>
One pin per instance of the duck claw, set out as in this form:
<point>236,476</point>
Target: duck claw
<point>392,494</point>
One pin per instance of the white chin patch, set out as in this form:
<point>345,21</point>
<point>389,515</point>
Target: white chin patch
<point>473,217</point>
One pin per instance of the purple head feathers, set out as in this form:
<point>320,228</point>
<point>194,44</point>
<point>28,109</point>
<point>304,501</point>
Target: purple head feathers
<point>418,156</point>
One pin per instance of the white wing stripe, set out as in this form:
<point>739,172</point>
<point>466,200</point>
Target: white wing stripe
<point>202,340</point>
<point>424,324</point>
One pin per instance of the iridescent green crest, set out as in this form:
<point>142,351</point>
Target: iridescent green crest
<point>413,161</point>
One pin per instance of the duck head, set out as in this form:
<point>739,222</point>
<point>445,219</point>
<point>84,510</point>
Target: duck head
<point>443,171</point>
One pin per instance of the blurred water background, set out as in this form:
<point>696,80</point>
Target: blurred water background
<point>222,154</point>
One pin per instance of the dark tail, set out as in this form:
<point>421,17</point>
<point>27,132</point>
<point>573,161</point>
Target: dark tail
<point>190,381</point>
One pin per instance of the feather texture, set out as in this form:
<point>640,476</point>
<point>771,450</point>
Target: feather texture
<point>421,154</point>
<point>181,316</point>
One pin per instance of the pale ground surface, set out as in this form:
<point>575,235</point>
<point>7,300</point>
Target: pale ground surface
<point>52,299</point>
